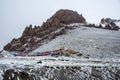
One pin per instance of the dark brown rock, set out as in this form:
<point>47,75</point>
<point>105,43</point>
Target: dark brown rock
<point>8,47</point>
<point>34,37</point>
<point>67,17</point>
<point>28,31</point>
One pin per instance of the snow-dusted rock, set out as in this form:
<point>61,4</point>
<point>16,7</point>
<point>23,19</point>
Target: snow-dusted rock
<point>32,38</point>
<point>109,23</point>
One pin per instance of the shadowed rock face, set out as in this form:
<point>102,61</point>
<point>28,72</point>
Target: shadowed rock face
<point>34,37</point>
<point>64,73</point>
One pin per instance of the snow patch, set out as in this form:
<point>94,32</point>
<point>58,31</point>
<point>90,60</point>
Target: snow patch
<point>95,42</point>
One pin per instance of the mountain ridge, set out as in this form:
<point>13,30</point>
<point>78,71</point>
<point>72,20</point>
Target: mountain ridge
<point>33,37</point>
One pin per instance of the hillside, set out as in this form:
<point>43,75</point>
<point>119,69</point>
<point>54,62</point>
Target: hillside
<point>89,41</point>
<point>33,37</point>
<point>65,47</point>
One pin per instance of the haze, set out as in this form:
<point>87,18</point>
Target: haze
<point>15,15</point>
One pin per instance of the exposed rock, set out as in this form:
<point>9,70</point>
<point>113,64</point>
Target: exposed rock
<point>90,25</point>
<point>64,73</point>
<point>8,46</point>
<point>67,17</point>
<point>34,37</point>
<point>12,75</point>
<point>109,23</point>
<point>105,24</point>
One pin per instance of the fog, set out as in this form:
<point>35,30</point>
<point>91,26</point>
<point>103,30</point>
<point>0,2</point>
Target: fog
<point>15,15</point>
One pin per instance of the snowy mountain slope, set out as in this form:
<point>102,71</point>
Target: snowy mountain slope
<point>96,50</point>
<point>33,36</point>
<point>99,45</point>
<point>95,42</point>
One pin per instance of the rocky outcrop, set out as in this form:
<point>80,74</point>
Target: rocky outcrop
<point>106,23</point>
<point>34,36</point>
<point>109,23</point>
<point>67,17</point>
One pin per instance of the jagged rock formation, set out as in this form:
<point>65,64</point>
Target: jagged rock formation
<point>109,23</point>
<point>106,23</point>
<point>34,37</point>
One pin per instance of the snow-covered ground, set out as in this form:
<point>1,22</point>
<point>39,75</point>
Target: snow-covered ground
<point>99,48</point>
<point>51,66</point>
<point>98,43</point>
<point>58,61</point>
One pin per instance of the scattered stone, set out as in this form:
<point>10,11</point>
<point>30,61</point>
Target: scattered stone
<point>39,62</point>
<point>79,54</point>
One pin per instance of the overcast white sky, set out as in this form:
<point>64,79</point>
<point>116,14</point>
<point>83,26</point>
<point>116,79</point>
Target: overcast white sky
<point>15,15</point>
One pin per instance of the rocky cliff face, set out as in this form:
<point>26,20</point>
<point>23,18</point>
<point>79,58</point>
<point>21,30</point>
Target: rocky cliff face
<point>34,36</point>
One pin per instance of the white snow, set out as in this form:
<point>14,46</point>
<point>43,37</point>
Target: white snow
<point>102,46</point>
<point>5,54</point>
<point>57,61</point>
<point>103,25</point>
<point>75,24</point>
<point>118,24</point>
<point>95,42</point>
